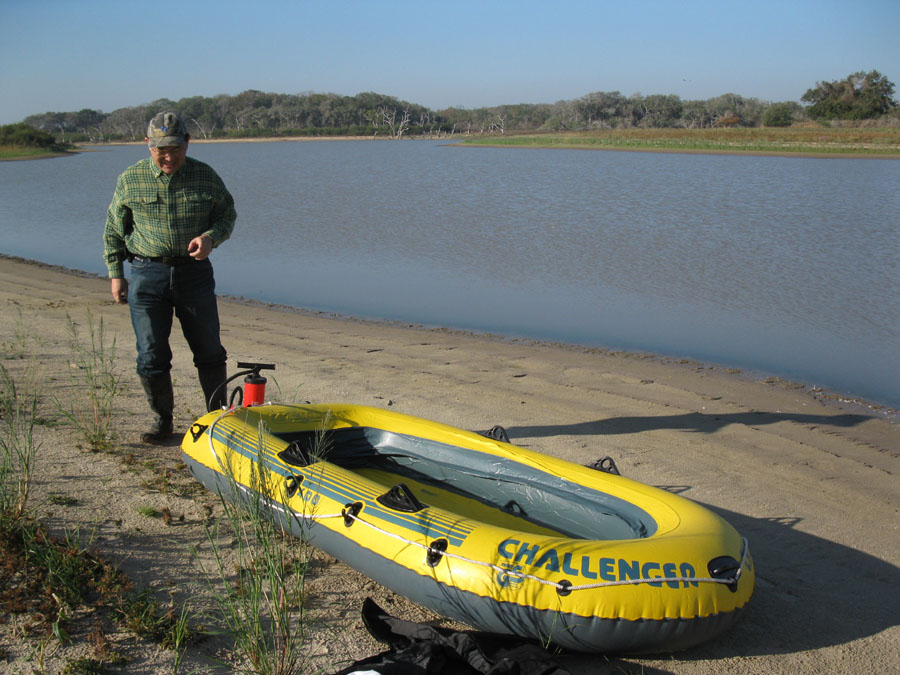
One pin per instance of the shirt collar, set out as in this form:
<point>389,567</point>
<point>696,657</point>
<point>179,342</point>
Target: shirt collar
<point>159,173</point>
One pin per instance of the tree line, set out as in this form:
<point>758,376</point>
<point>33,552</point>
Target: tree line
<point>860,96</point>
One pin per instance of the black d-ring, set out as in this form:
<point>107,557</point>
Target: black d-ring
<point>498,433</point>
<point>350,511</point>
<point>436,552</point>
<point>725,567</point>
<point>606,465</point>
<point>197,430</point>
<point>292,485</point>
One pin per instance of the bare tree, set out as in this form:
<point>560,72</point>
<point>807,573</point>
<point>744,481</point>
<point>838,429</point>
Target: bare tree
<point>204,132</point>
<point>127,122</point>
<point>95,133</point>
<point>389,120</point>
<point>427,121</point>
<point>387,116</point>
<point>403,127</point>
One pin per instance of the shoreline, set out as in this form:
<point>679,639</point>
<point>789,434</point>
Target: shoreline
<point>472,142</point>
<point>811,483</point>
<point>824,394</point>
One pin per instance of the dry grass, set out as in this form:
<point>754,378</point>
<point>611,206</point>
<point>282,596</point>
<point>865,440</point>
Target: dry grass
<point>882,142</point>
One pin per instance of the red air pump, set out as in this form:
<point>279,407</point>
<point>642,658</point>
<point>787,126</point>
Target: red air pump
<point>254,383</point>
<point>254,391</point>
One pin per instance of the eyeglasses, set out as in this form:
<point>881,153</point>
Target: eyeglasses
<point>169,151</point>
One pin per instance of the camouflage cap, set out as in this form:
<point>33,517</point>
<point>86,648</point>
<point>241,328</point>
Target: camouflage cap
<point>166,130</point>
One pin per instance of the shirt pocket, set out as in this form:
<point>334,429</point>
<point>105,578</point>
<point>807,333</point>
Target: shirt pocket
<point>145,206</point>
<point>197,207</point>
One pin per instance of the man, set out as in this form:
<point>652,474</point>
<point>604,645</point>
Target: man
<point>167,214</point>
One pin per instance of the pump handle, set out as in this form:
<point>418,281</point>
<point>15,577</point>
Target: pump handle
<point>256,367</point>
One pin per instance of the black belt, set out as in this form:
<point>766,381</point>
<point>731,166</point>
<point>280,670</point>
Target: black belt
<point>171,262</point>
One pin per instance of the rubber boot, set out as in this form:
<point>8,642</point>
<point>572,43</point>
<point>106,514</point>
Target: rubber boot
<point>212,381</point>
<point>162,402</point>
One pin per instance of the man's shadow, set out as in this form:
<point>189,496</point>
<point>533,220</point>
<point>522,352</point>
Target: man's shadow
<point>696,422</point>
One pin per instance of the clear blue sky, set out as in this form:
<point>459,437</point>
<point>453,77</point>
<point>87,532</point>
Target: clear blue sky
<point>64,55</point>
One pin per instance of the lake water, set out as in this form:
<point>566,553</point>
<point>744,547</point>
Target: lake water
<point>789,266</point>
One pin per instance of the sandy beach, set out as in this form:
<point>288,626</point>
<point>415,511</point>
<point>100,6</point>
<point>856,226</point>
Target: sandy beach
<point>811,480</point>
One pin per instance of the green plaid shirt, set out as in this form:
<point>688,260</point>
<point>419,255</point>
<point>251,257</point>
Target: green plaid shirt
<point>153,214</point>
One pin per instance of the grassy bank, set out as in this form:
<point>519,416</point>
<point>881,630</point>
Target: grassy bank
<point>69,606</point>
<point>57,592</point>
<point>20,152</point>
<point>882,142</point>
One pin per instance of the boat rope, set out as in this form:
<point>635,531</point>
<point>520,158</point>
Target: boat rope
<point>224,413</point>
<point>563,588</point>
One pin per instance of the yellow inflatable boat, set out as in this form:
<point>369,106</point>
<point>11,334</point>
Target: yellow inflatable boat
<point>498,537</point>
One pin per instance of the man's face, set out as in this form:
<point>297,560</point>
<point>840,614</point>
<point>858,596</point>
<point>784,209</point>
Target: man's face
<point>169,159</point>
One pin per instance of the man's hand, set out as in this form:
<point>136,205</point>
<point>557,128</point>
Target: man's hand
<point>120,291</point>
<point>200,247</point>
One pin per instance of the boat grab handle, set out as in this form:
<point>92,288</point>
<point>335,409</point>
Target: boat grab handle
<point>401,498</point>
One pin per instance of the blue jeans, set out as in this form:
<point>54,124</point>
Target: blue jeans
<point>155,290</point>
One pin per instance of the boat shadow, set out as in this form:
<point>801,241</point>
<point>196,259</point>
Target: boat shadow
<point>695,422</point>
<point>811,593</point>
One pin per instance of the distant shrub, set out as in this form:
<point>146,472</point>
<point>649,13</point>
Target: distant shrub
<point>779,114</point>
<point>25,136</point>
